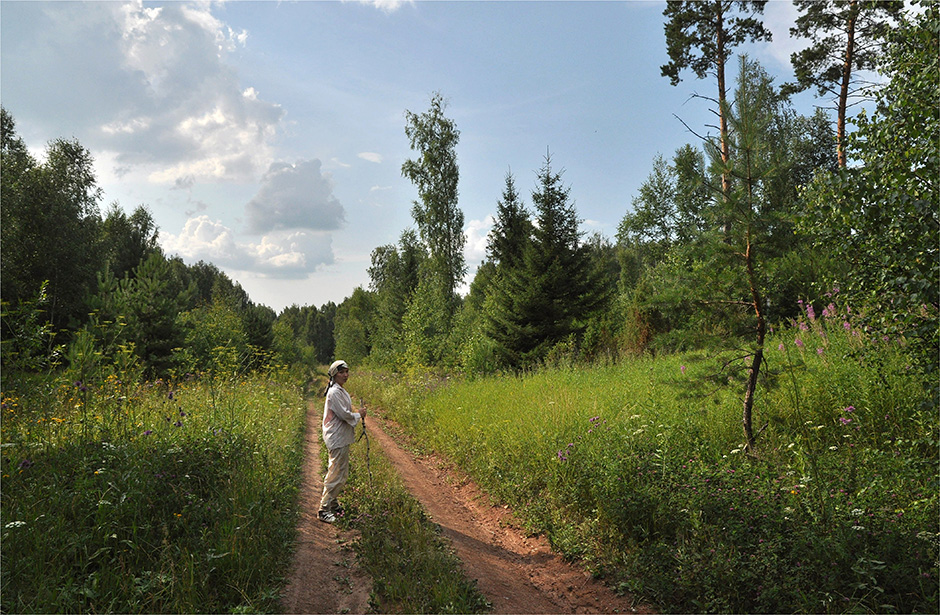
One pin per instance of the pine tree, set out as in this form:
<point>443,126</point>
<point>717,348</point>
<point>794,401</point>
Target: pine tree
<point>847,37</point>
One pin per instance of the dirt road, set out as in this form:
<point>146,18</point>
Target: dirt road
<point>517,574</point>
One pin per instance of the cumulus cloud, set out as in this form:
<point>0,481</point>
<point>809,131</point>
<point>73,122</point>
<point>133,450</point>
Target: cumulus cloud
<point>295,196</point>
<point>476,233</point>
<point>190,116</point>
<point>280,254</point>
<point>175,107</point>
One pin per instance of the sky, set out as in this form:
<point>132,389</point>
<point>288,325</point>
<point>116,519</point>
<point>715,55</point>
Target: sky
<point>268,137</point>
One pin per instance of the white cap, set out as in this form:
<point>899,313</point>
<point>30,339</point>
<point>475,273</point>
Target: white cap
<point>336,366</point>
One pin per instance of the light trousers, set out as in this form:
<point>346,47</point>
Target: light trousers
<point>336,474</point>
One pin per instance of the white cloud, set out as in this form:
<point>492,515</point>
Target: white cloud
<point>477,232</point>
<point>386,6</point>
<point>371,157</point>
<point>295,196</point>
<point>779,17</point>
<point>280,254</point>
<point>183,112</point>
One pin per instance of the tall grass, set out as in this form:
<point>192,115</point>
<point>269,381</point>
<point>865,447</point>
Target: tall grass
<point>640,470</point>
<point>166,496</point>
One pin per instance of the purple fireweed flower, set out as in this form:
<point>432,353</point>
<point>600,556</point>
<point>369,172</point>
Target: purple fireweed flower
<point>780,347</point>
<point>846,325</point>
<point>850,408</point>
<point>799,343</point>
<point>682,369</point>
<point>148,432</point>
<point>810,312</point>
<point>819,351</point>
<point>844,420</point>
<point>804,326</point>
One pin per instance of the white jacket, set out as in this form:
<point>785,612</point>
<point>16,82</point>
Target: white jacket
<point>339,420</point>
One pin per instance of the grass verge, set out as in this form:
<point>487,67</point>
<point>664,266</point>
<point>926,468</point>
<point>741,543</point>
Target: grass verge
<point>639,470</point>
<point>148,497</point>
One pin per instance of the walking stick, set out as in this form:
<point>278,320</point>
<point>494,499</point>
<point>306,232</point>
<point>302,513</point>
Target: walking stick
<point>366,434</point>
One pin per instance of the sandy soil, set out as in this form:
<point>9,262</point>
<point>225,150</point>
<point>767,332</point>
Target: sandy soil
<point>517,573</point>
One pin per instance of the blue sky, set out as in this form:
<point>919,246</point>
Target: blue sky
<point>268,137</point>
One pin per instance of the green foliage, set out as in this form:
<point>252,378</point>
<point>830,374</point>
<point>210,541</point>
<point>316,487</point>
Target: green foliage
<point>353,326</point>
<point>846,38</point>
<point>713,29</point>
<point>394,278</point>
<point>511,230</point>
<point>554,290</point>
<point>163,496</point>
<point>828,25</point>
<point>690,281</point>
<point>208,329</point>
<point>50,224</point>
<point>435,174</point>
<point>128,240</point>
<point>882,215</point>
<point>638,469</point>
<point>427,325</point>
<point>27,338</point>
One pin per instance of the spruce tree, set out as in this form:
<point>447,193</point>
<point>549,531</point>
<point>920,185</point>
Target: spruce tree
<point>549,296</point>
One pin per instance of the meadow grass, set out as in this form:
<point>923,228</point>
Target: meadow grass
<point>413,568</point>
<point>640,470</point>
<point>165,496</point>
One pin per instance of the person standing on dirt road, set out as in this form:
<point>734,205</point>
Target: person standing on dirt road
<point>339,432</point>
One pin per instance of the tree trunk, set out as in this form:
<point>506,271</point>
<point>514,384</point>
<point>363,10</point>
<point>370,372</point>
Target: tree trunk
<point>722,116</point>
<point>754,369</point>
<point>846,77</point>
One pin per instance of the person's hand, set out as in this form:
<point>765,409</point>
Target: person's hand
<point>363,412</point>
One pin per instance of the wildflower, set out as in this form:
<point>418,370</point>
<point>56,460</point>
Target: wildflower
<point>26,463</point>
<point>780,347</point>
<point>844,420</point>
<point>799,343</point>
<point>170,395</point>
<point>850,408</point>
<point>682,369</point>
<point>178,423</point>
<point>819,351</point>
<point>810,312</point>
<point>13,524</point>
<point>804,326</point>
<point>148,432</point>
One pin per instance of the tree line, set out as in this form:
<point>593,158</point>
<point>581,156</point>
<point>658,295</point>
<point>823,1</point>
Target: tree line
<point>79,284</point>
<point>720,242</point>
